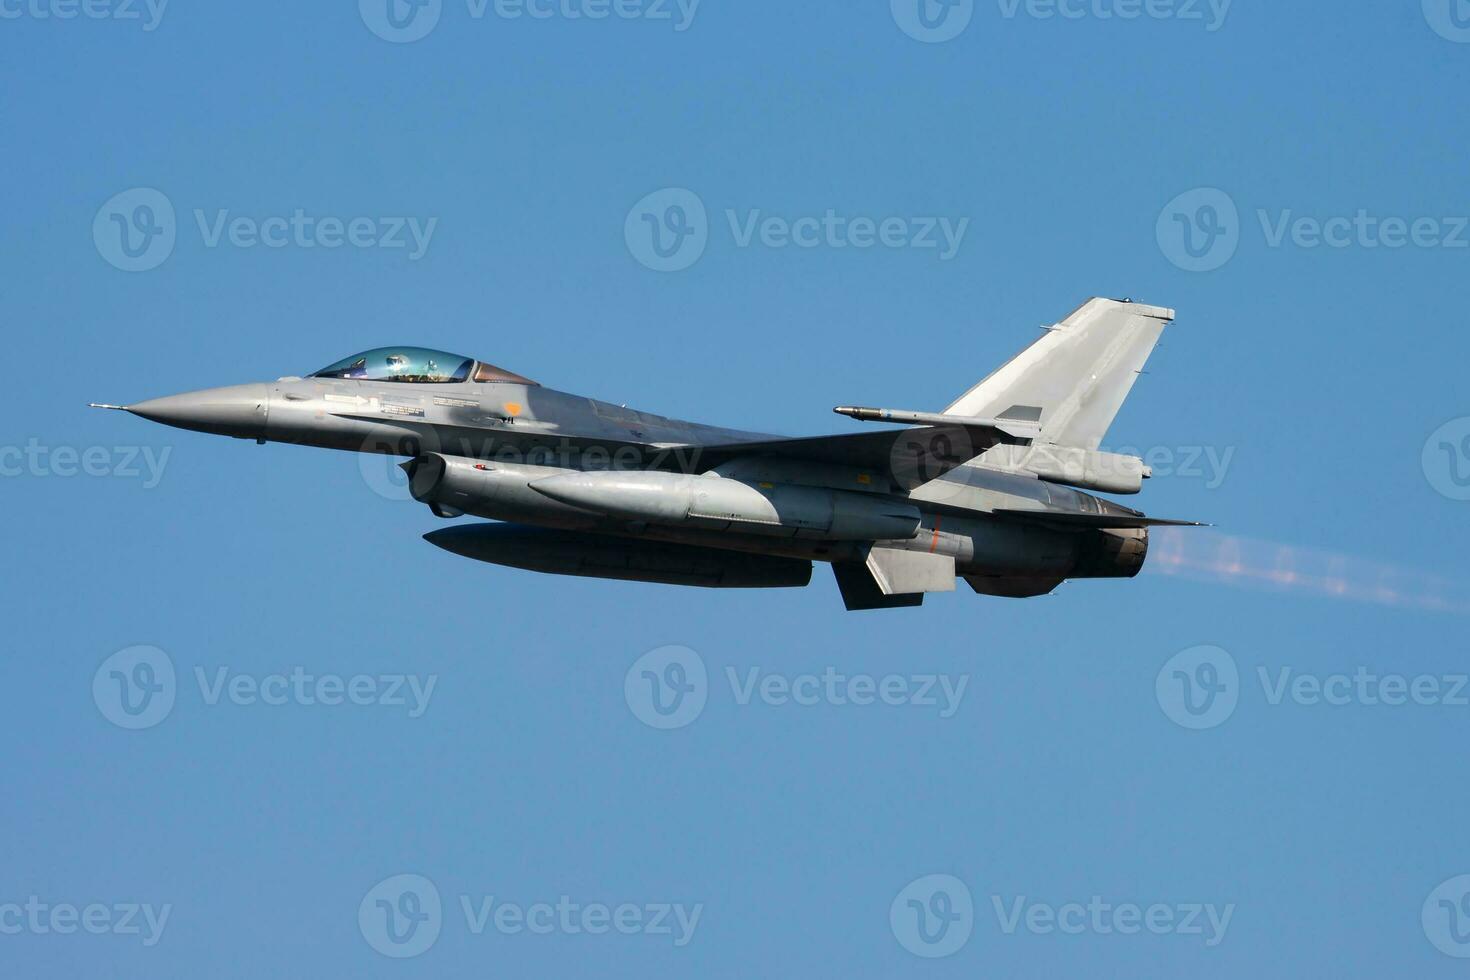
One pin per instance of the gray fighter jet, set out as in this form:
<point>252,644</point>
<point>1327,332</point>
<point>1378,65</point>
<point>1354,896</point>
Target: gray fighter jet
<point>988,489</point>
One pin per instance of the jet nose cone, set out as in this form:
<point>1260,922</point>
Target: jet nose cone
<point>239,410</point>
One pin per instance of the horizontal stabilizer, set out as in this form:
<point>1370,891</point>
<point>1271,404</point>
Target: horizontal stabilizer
<point>1099,521</point>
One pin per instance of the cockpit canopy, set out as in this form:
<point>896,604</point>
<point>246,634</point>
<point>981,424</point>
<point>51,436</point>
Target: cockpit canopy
<point>416,365</point>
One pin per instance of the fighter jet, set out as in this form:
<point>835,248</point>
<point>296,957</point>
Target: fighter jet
<point>991,489</point>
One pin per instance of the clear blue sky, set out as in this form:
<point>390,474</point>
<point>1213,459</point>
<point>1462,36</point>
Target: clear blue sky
<point>795,828</point>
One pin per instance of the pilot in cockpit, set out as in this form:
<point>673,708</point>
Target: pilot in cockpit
<point>417,365</point>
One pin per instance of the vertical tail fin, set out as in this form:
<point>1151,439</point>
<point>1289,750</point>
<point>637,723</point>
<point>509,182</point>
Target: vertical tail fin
<point>1074,379</point>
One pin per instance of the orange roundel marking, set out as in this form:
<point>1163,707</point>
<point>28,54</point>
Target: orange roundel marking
<point>512,408</point>
<point>934,543</point>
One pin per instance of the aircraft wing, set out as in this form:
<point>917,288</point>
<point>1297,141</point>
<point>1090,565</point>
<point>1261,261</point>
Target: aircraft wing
<point>923,453</point>
<point>1106,522</point>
